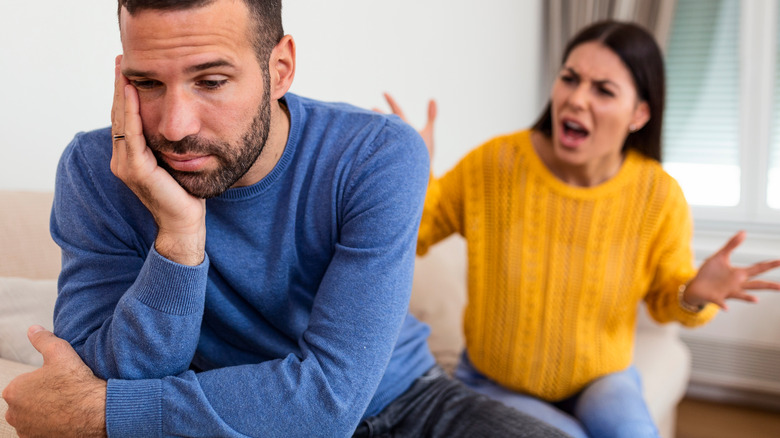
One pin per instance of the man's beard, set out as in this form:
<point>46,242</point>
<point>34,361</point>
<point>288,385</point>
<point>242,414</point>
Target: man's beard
<point>234,160</point>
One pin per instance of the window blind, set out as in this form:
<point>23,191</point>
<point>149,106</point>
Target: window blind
<point>701,126</point>
<point>702,115</point>
<point>773,189</point>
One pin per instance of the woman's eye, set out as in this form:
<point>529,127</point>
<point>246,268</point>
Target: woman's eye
<point>606,92</point>
<point>567,79</point>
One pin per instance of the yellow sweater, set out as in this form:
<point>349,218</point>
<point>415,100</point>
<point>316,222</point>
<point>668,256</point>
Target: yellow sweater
<point>556,272</point>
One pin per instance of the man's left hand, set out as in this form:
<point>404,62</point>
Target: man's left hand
<point>62,398</point>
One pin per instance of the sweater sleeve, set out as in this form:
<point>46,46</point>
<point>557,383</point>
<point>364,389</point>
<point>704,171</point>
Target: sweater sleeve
<point>325,387</point>
<point>443,212</point>
<point>128,312</point>
<point>674,261</point>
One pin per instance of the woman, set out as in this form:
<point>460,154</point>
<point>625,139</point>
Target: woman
<point>569,225</point>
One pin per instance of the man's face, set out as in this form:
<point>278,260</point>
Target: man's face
<point>204,98</point>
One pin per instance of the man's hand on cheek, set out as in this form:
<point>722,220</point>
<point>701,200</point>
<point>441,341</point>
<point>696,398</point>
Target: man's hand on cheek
<point>180,217</point>
<point>62,398</point>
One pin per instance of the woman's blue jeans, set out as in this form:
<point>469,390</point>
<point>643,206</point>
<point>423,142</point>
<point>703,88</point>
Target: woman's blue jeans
<point>610,406</point>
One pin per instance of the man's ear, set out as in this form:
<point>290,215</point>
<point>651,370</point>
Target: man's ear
<point>281,67</point>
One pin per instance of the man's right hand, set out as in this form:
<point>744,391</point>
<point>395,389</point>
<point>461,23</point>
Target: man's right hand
<point>180,217</point>
<point>62,398</point>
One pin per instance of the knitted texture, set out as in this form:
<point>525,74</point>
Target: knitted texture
<point>556,272</point>
<point>296,321</point>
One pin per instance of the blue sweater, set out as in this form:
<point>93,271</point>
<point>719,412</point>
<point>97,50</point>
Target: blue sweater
<point>296,324</point>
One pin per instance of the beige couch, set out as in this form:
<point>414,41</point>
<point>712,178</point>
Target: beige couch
<point>29,263</point>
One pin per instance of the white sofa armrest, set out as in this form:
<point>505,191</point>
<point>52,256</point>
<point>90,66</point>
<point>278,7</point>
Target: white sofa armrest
<point>664,363</point>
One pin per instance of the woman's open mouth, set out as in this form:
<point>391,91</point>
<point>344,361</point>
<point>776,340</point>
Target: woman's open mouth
<point>573,133</point>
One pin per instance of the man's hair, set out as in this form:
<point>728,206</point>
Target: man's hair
<point>265,14</point>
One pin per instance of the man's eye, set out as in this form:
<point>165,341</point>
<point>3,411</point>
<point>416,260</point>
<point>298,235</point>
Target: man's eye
<point>144,84</point>
<point>211,84</point>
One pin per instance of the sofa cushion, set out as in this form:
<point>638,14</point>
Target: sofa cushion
<point>438,297</point>
<point>25,302</point>
<point>27,248</point>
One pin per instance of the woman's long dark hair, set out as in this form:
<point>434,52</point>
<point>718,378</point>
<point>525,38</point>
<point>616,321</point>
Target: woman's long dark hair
<point>640,53</point>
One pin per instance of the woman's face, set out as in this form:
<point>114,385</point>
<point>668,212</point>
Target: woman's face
<point>594,107</point>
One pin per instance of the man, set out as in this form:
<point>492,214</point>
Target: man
<point>237,260</point>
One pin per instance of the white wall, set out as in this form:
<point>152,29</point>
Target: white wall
<point>56,80</point>
<point>480,60</point>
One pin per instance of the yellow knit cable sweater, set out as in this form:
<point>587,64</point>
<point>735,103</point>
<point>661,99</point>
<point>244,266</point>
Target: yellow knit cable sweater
<point>556,272</point>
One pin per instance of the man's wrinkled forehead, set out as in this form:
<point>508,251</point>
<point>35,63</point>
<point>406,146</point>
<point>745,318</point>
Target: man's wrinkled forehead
<point>222,23</point>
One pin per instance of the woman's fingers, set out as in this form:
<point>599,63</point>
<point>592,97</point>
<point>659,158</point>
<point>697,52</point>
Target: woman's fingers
<point>394,107</point>
<point>761,267</point>
<point>744,297</point>
<point>733,243</point>
<point>432,112</point>
<point>761,285</point>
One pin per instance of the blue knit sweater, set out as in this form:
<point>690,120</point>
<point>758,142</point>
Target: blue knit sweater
<point>296,324</point>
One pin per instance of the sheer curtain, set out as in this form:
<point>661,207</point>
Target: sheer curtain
<point>564,18</point>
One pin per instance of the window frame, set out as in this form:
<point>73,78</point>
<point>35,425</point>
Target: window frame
<point>713,226</point>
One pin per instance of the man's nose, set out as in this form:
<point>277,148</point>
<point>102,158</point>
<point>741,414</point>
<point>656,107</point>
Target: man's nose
<point>179,116</point>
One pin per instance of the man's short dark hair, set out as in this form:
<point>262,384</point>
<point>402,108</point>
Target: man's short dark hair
<point>266,15</point>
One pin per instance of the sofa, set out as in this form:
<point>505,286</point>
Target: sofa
<point>29,264</point>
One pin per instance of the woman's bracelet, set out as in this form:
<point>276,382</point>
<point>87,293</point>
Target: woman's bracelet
<point>681,300</point>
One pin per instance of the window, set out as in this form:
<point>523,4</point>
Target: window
<point>722,121</point>
<point>701,133</point>
<point>773,192</point>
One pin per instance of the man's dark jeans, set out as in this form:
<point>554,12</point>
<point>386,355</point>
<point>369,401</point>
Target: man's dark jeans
<point>438,406</point>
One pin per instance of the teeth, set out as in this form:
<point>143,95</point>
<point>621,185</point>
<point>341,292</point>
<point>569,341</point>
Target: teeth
<point>573,125</point>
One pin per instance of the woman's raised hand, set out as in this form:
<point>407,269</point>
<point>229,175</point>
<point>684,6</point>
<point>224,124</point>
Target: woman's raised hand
<point>718,280</point>
<point>427,131</point>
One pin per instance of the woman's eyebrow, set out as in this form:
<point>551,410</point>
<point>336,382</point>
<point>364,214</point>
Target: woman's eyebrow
<point>599,82</point>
